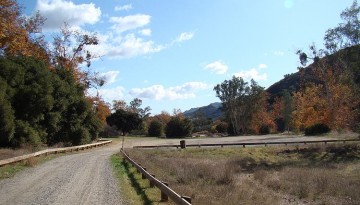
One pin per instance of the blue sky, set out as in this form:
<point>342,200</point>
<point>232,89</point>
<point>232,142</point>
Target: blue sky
<point>171,53</point>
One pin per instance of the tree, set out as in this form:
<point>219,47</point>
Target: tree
<point>20,35</point>
<point>232,93</point>
<point>245,105</point>
<point>331,67</point>
<point>125,121</point>
<point>221,127</point>
<point>155,129</point>
<point>178,127</point>
<point>135,106</point>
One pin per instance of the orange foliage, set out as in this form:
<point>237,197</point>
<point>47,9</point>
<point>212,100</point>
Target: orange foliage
<point>261,116</point>
<point>15,32</point>
<point>312,106</point>
<point>102,108</point>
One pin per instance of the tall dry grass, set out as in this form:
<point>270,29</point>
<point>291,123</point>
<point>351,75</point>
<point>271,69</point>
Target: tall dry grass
<point>309,174</point>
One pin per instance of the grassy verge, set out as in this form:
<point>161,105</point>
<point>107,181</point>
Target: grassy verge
<point>10,170</point>
<point>135,189</point>
<point>315,174</point>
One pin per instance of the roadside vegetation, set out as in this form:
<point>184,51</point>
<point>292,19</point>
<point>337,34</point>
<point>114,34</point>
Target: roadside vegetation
<point>256,175</point>
<point>10,170</point>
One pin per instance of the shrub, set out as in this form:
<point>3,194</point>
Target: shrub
<point>317,129</point>
<point>178,127</point>
<point>264,130</point>
<point>155,129</point>
<point>222,127</point>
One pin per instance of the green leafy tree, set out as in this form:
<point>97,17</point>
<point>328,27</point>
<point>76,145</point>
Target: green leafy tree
<point>243,104</point>
<point>155,129</point>
<point>125,121</point>
<point>178,127</point>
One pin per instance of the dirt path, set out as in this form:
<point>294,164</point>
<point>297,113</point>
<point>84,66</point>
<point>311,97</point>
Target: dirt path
<point>129,143</point>
<point>82,178</point>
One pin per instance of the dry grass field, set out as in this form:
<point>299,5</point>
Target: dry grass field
<point>316,174</point>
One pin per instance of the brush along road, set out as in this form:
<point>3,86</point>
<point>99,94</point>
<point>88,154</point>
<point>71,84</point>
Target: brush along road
<point>81,178</point>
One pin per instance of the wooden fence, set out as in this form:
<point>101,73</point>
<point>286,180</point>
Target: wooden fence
<point>244,144</point>
<point>52,151</point>
<point>166,192</point>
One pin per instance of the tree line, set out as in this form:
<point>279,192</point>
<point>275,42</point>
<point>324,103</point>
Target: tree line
<point>43,89</point>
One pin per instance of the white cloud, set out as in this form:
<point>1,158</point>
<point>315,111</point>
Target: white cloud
<point>145,32</point>
<point>126,7</point>
<point>57,12</point>
<point>117,46</point>
<point>132,46</point>
<point>253,73</point>
<point>185,36</point>
<point>262,66</point>
<point>131,22</point>
<point>159,92</point>
<point>218,67</point>
<point>109,94</point>
<point>110,76</point>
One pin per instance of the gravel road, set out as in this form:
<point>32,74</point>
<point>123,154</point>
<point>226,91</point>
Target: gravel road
<point>81,178</point>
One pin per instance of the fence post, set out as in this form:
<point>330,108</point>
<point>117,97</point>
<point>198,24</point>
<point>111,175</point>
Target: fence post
<point>182,144</point>
<point>142,174</point>
<point>150,181</point>
<point>164,197</point>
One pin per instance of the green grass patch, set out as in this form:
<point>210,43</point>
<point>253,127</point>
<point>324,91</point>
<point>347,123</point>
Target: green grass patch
<point>133,187</point>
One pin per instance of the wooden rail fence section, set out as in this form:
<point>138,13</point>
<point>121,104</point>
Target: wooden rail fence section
<point>183,145</point>
<point>52,151</point>
<point>166,192</point>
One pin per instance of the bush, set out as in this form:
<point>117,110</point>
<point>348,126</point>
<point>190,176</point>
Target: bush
<point>264,130</point>
<point>155,129</point>
<point>317,129</point>
<point>178,127</point>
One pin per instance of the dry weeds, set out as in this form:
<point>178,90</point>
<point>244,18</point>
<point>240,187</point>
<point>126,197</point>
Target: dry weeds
<point>272,175</point>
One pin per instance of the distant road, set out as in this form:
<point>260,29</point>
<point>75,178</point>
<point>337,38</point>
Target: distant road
<point>81,178</point>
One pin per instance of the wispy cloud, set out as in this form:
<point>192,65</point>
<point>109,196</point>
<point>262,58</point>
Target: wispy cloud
<point>126,7</point>
<point>253,73</point>
<point>145,32</point>
<point>110,76</point>
<point>218,67</point>
<point>185,36</point>
<point>130,22</point>
<point>57,12</point>
<point>110,94</point>
<point>159,92</point>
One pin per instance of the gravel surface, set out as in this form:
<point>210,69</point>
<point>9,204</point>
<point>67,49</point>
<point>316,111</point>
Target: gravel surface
<point>81,178</point>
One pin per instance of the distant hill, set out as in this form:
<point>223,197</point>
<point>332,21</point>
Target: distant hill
<point>211,111</point>
<point>292,82</point>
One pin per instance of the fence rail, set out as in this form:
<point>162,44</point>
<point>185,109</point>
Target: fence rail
<point>166,191</point>
<point>244,144</point>
<point>52,151</point>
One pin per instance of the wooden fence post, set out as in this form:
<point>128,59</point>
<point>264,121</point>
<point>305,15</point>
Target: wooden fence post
<point>182,144</point>
<point>164,197</point>
<point>142,174</point>
<point>151,184</point>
